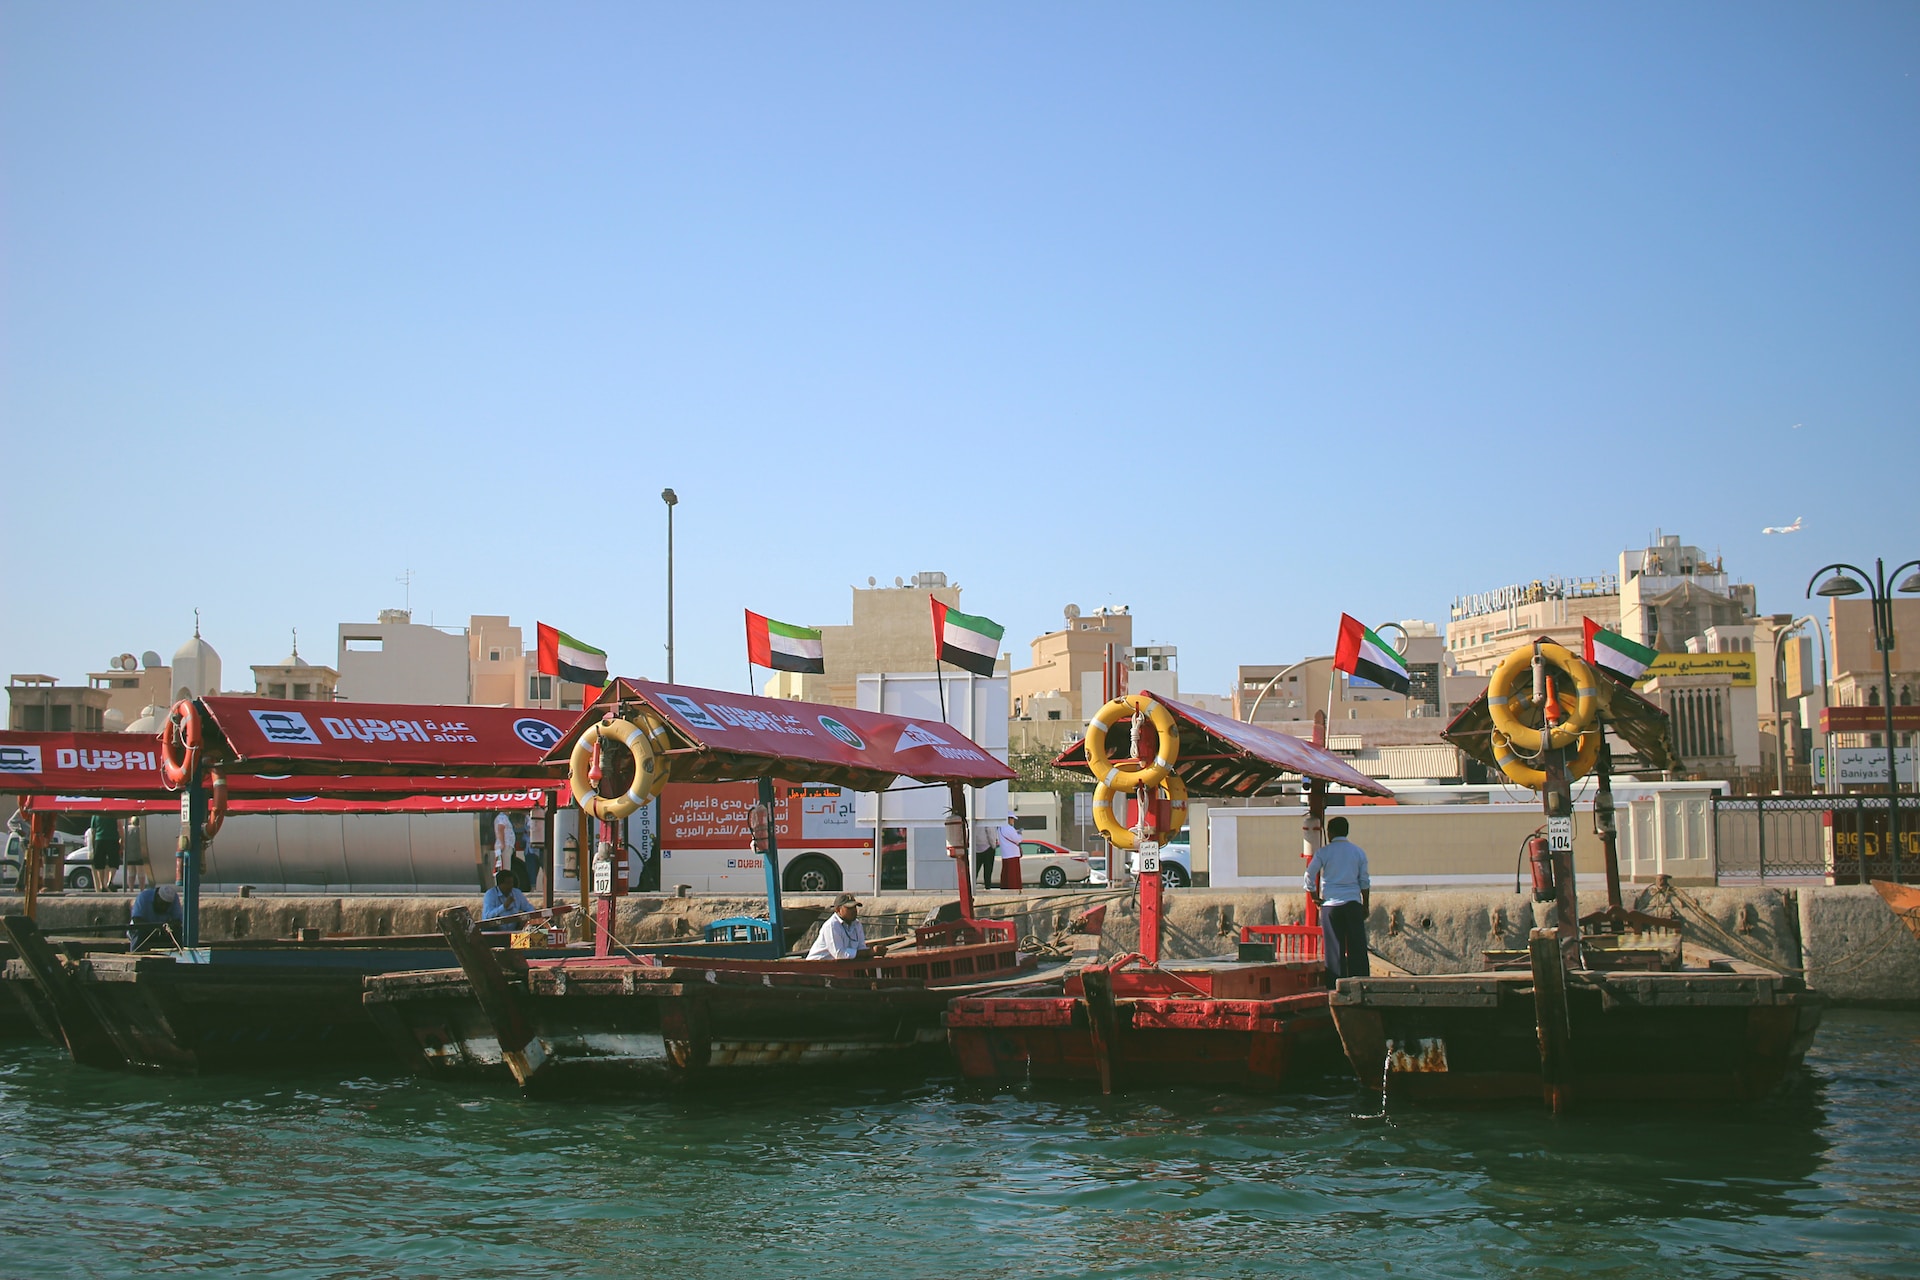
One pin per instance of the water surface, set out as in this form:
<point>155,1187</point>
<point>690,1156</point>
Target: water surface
<point>315,1176</point>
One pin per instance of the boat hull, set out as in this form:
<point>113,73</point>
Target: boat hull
<point>613,1024</point>
<point>1205,1025</point>
<point>1686,1037</point>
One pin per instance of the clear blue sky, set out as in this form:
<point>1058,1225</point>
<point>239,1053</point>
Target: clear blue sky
<point>1241,315</point>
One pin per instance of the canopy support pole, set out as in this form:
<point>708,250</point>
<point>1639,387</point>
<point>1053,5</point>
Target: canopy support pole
<point>957,845</point>
<point>776,914</point>
<point>193,817</point>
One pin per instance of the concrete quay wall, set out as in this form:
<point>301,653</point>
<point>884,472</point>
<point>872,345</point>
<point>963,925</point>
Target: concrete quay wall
<point>1846,939</point>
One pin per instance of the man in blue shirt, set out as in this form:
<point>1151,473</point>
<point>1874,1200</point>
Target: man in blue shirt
<point>156,911</point>
<point>505,898</point>
<point>1337,879</point>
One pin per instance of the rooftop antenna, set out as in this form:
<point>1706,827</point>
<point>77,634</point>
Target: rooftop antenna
<point>406,582</point>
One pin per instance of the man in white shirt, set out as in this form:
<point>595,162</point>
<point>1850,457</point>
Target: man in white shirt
<point>1337,879</point>
<point>841,936</point>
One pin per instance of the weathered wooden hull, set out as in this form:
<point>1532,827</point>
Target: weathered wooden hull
<point>630,1026</point>
<point>1687,1037</point>
<point>1139,1029</point>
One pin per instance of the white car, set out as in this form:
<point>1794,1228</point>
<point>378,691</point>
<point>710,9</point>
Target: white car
<point>1051,866</point>
<point>1176,864</point>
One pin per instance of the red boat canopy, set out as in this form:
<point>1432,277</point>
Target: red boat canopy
<point>733,737</point>
<point>259,735</point>
<point>127,766</point>
<point>1222,757</point>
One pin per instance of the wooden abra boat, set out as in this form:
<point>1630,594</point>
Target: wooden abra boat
<point>1601,1012</point>
<point>1137,1020</point>
<point>637,1020</point>
<point>645,1020</point>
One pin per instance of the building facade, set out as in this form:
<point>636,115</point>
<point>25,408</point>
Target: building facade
<point>891,630</point>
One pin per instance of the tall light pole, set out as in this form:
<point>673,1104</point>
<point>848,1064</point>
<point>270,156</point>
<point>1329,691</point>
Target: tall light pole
<point>1780,639</point>
<point>1842,585</point>
<point>672,500</point>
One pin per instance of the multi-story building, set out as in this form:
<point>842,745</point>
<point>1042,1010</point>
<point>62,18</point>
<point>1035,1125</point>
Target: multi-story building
<point>41,704</point>
<point>891,631</point>
<point>295,678</point>
<point>1482,629</point>
<point>398,660</point>
<point>1075,669</point>
<point>1670,593</point>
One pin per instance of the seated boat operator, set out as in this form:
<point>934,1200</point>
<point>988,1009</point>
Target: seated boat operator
<point>157,917</point>
<point>841,935</point>
<point>505,898</point>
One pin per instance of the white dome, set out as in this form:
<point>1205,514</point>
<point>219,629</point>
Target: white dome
<point>149,721</point>
<point>113,721</point>
<point>196,669</point>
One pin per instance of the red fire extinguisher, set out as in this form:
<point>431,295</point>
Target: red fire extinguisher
<point>1544,889</point>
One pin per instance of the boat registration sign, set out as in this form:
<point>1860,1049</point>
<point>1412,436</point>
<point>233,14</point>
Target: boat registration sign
<point>1560,835</point>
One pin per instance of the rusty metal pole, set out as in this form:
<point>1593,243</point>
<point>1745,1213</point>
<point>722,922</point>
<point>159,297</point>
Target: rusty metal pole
<point>552,858</point>
<point>1605,823</point>
<point>957,845</point>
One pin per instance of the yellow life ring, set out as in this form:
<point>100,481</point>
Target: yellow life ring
<point>1534,779</point>
<point>646,740</point>
<point>1500,689</point>
<point>1165,756</point>
<point>1121,835</point>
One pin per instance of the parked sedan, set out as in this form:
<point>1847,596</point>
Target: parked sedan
<point>1050,865</point>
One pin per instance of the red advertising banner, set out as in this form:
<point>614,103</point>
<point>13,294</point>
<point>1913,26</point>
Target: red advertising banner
<point>715,815</point>
<point>1868,720</point>
<point>464,802</point>
<point>735,736</point>
<point>266,736</point>
<point>128,765</point>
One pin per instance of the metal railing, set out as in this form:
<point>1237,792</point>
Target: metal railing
<point>1814,836</point>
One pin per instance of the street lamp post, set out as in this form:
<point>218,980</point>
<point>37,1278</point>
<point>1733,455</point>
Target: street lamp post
<point>672,500</point>
<point>1780,639</point>
<point>1268,686</point>
<point>1842,585</point>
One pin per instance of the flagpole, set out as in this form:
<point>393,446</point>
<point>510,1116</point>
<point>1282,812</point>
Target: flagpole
<point>939,676</point>
<point>749,677</point>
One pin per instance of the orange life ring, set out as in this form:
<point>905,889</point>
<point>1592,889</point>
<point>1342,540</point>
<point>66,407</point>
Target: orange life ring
<point>180,745</point>
<point>216,805</point>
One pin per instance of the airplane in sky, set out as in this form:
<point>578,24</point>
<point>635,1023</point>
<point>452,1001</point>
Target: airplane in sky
<point>1785,528</point>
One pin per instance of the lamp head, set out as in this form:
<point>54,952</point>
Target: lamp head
<point>1912,583</point>
<point>1839,585</point>
<point>669,497</point>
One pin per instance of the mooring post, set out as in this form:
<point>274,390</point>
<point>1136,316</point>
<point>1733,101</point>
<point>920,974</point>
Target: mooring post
<point>1551,1020</point>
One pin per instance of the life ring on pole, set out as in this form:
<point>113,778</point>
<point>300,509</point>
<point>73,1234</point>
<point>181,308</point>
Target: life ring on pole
<point>216,804</point>
<point>180,740</point>
<point>1519,664</point>
<point>1123,836</point>
<point>1166,752</point>
<point>1536,779</point>
<point>646,742</point>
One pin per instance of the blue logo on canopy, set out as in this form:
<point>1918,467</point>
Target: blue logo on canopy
<point>537,733</point>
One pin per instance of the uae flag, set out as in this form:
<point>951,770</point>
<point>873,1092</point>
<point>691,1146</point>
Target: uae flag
<point>970,643</point>
<point>783,647</point>
<point>561,655</point>
<point>1363,654</point>
<point>1613,653</point>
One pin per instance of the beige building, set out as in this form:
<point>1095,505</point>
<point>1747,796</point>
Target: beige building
<point>891,631</point>
<point>41,704</point>
<point>1670,593</point>
<point>1069,677</point>
<point>132,687</point>
<point>1857,680</point>
<point>1483,629</point>
<point>505,673</point>
<point>295,678</point>
<point>398,660</point>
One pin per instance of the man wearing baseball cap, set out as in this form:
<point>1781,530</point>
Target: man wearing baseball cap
<point>841,936</point>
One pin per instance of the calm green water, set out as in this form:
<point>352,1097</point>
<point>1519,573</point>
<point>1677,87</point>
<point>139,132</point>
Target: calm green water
<point>385,1176</point>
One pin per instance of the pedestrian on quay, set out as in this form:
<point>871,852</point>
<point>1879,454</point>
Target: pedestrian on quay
<point>103,850</point>
<point>1337,879</point>
<point>986,842</point>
